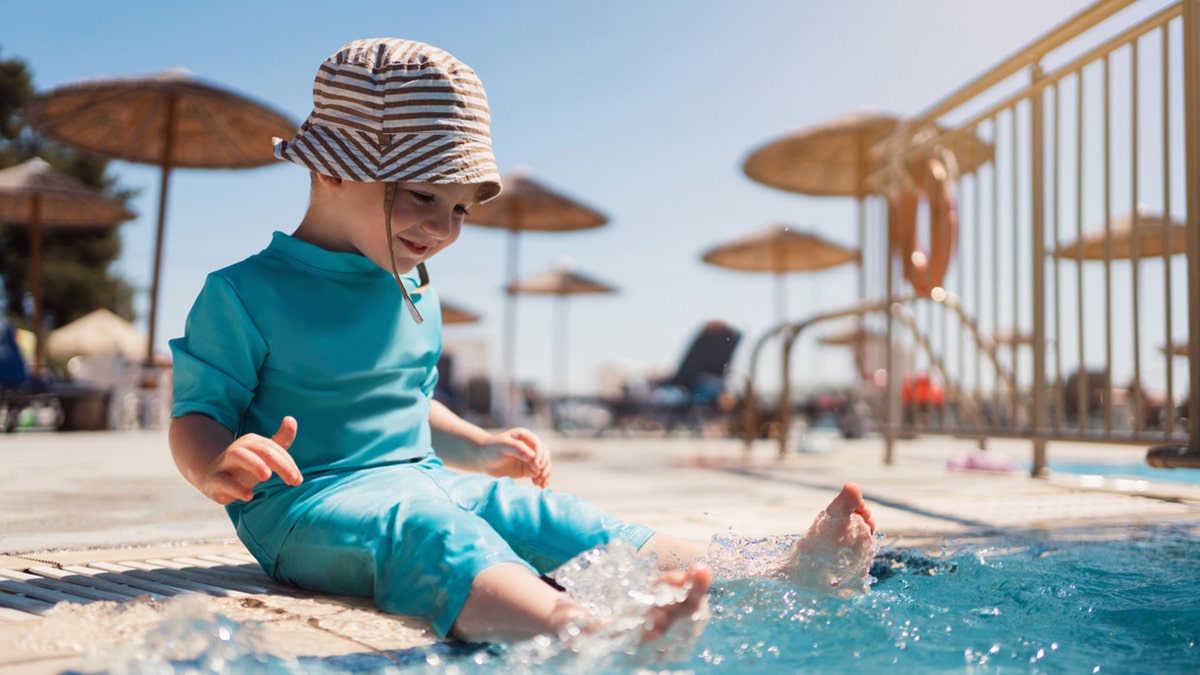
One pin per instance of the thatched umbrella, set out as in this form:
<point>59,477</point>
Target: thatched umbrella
<point>36,195</point>
<point>560,281</point>
<point>779,248</point>
<point>1154,236</point>
<point>527,204</point>
<point>168,120</point>
<point>455,314</point>
<point>837,158</point>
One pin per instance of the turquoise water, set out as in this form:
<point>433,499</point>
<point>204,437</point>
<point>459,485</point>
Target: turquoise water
<point>1107,604</point>
<point>1137,470</point>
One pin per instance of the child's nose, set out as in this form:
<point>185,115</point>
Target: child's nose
<point>439,224</point>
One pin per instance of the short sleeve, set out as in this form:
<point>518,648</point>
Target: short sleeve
<point>216,362</point>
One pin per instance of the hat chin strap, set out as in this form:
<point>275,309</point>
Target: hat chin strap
<point>389,196</point>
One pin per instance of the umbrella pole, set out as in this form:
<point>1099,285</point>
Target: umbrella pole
<point>860,355</point>
<point>508,401</point>
<point>158,239</point>
<point>35,285</point>
<point>560,345</point>
<point>780,297</point>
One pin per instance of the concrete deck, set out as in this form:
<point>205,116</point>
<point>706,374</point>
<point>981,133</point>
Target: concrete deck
<point>90,521</point>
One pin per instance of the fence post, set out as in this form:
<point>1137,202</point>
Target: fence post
<point>891,406</point>
<point>1037,132</point>
<point>1191,135</point>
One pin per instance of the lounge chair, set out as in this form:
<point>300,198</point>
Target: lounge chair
<point>690,397</point>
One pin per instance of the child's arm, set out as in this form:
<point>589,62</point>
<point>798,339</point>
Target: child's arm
<point>517,453</point>
<point>225,469</point>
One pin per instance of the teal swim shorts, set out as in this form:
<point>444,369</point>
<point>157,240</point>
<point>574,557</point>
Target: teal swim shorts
<point>414,536</point>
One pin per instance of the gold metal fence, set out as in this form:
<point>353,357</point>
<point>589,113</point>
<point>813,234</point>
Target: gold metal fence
<point>1066,310</point>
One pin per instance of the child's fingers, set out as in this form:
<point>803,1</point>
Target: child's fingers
<point>224,489</point>
<point>286,434</point>
<point>263,456</point>
<point>248,459</point>
<point>541,476</point>
<point>276,452</point>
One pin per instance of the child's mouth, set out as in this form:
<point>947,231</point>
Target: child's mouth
<point>416,249</point>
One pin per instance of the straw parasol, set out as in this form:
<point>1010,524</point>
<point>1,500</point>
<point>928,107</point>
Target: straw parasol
<point>528,204</point>
<point>779,248</point>
<point>560,281</point>
<point>1154,235</point>
<point>99,332</point>
<point>836,158</point>
<point>169,120</point>
<point>37,195</point>
<point>454,314</point>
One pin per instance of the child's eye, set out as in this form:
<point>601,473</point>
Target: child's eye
<point>423,197</point>
<point>462,210</point>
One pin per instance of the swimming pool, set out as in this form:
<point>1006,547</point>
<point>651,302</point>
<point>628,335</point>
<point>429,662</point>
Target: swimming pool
<point>1108,601</point>
<point>1135,470</point>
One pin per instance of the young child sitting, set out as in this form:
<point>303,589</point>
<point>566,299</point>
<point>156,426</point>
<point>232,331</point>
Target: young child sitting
<point>304,381</point>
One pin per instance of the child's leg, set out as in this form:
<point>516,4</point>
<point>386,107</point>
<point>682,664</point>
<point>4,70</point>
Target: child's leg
<point>508,603</point>
<point>673,553</point>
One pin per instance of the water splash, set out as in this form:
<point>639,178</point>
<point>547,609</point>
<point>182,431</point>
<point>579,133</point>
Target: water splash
<point>194,638</point>
<point>618,587</point>
<point>834,556</point>
<point>1036,605</point>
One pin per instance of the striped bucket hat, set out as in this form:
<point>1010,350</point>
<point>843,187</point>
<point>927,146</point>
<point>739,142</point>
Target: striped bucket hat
<point>394,110</point>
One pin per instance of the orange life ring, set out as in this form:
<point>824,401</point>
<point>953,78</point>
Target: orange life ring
<point>925,270</point>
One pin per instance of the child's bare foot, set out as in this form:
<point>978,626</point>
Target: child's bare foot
<point>835,554</point>
<point>694,583</point>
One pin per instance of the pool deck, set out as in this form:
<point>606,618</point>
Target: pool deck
<point>91,520</point>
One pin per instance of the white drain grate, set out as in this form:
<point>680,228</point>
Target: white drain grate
<point>26,593</point>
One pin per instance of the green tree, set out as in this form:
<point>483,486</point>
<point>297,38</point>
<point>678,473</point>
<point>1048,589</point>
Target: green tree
<point>76,275</point>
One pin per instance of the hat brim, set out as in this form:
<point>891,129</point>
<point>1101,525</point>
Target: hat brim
<point>445,157</point>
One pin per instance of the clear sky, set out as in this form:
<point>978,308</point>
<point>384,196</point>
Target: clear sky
<point>643,109</point>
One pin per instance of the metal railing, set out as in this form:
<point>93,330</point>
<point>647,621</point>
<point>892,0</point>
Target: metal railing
<point>1067,307</point>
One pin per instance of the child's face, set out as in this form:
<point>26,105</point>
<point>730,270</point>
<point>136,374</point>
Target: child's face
<point>426,218</point>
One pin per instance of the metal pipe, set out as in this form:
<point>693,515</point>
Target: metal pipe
<point>1056,311</point>
<point>1014,194</point>
<point>1169,352</point>
<point>1191,173</point>
<point>1108,247</point>
<point>1038,202</point>
<point>1136,260</point>
<point>891,405</point>
<point>1031,53</point>
<point>996,393</point>
<point>1081,402</point>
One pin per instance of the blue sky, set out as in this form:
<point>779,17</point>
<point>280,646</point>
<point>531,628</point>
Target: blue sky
<point>644,110</point>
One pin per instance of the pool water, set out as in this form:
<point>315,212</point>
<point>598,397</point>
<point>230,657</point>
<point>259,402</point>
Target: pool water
<point>1135,470</point>
<point>1111,602</point>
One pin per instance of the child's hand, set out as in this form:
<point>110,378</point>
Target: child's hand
<point>517,453</point>
<point>250,460</point>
